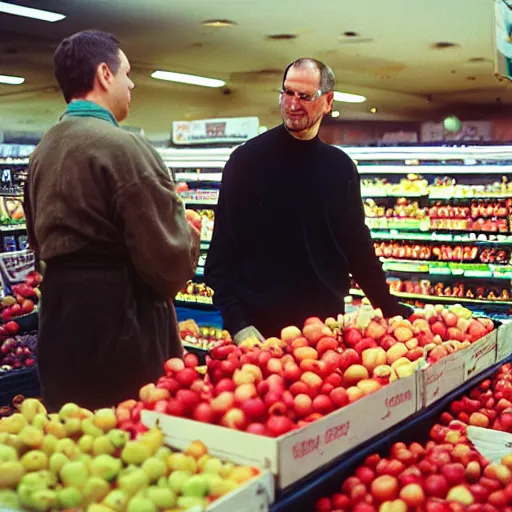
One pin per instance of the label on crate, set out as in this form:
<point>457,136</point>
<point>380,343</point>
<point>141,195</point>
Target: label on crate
<point>308,449</point>
<point>441,378</point>
<point>504,341</point>
<point>480,355</point>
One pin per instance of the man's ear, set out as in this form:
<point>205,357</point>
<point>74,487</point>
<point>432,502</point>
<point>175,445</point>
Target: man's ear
<point>330,99</point>
<point>104,75</point>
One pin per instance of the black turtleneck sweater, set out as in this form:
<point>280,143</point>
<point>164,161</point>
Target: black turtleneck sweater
<point>289,228</point>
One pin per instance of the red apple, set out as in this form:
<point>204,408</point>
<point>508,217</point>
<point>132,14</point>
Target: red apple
<point>203,412</point>
<point>254,408</point>
<point>278,425</point>
<point>339,397</point>
<point>174,365</point>
<point>436,486</point>
<point>323,404</point>
<point>257,428</point>
<point>234,418</point>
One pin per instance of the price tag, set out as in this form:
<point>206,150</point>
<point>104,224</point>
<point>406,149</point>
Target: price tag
<point>492,444</point>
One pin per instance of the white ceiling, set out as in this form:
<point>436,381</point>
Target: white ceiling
<point>392,62</point>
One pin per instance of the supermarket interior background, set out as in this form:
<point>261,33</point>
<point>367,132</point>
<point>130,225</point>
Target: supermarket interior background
<point>413,61</point>
<point>357,413</point>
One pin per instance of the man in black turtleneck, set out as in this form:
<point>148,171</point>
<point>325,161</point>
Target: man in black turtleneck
<point>290,226</point>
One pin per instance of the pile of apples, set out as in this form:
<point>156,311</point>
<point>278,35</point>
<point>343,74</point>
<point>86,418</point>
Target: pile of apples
<point>15,354</point>
<point>79,459</point>
<point>22,302</point>
<point>447,474</point>
<point>488,405</point>
<point>285,383</point>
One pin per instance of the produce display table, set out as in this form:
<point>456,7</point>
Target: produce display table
<point>304,494</point>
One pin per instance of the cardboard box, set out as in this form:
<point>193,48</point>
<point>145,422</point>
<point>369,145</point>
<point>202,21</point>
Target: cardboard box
<point>441,378</point>
<point>255,496</point>
<point>301,452</point>
<point>504,341</point>
<point>480,355</point>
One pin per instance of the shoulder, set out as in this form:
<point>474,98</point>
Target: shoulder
<point>338,162</point>
<point>259,143</point>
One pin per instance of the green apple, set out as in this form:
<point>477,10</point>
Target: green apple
<point>69,410</point>
<point>155,468</point>
<point>135,453</point>
<point>163,453</point>
<point>133,482</point>
<point>118,437</point>
<point>35,460</point>
<point>196,487</point>
<point>162,498</point>
<point>7,453</point>
<point>49,444</point>
<point>9,499</point>
<point>85,443</point>
<point>95,489</point>
<point>101,445</point>
<point>57,461</point>
<point>89,428</point>
<point>116,500</point>
<point>105,466</point>
<point>69,497</point>
<point>74,474</point>
<point>43,500</point>
<point>31,437</point>
<point>141,504</point>
<point>67,447</point>
<point>212,465</point>
<point>177,480</point>
<point>40,420</point>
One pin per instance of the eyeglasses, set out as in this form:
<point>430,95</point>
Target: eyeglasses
<point>302,96</point>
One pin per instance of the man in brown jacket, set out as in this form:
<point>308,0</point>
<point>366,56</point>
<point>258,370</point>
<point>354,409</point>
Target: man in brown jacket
<point>103,214</point>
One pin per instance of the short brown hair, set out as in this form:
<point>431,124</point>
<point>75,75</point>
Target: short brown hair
<point>77,58</point>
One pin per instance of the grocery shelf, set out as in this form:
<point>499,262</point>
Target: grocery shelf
<point>194,176</point>
<point>436,195</point>
<point>327,480</point>
<point>434,236</point>
<point>438,298</point>
<point>211,202</point>
<point>12,227</point>
<point>433,169</point>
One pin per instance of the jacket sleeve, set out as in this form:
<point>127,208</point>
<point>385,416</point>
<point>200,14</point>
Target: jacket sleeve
<point>363,263</point>
<point>223,255</point>
<point>162,246</point>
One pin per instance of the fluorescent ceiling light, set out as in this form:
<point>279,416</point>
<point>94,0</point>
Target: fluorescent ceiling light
<point>28,12</point>
<point>348,98</point>
<point>11,80</point>
<point>188,79</point>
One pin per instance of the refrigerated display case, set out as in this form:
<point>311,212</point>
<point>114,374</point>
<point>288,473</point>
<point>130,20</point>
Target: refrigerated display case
<point>440,217</point>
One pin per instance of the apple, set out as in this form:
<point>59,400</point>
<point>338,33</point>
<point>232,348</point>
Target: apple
<point>278,425</point>
<point>339,397</point>
<point>234,418</point>
<point>348,358</point>
<point>352,336</point>
<point>373,357</point>
<point>384,488</point>
<point>291,333</point>
<point>354,374</point>
<point>323,404</point>
<point>203,412</point>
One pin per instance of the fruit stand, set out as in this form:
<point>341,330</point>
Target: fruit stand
<point>356,413</point>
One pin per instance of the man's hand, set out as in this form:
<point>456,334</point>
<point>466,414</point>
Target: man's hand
<point>245,334</point>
